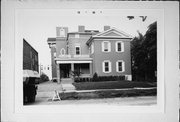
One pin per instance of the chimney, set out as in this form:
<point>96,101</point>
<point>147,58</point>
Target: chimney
<point>106,27</point>
<point>81,28</point>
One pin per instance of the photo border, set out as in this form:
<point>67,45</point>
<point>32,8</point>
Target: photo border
<point>170,69</point>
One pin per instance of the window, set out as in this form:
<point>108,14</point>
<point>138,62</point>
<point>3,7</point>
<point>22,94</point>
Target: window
<point>62,32</point>
<point>92,48</point>
<point>63,51</point>
<point>119,46</point>
<point>54,54</point>
<point>76,35</point>
<point>106,46</point>
<point>120,66</point>
<point>77,50</point>
<point>106,65</point>
<point>36,58</point>
<point>30,54</point>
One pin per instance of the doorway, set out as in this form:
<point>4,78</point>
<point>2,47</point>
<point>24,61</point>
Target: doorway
<point>65,70</point>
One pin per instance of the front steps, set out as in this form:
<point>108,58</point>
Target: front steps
<point>67,84</point>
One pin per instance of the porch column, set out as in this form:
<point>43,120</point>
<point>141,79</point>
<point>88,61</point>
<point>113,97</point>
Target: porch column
<point>90,69</point>
<point>72,68</point>
<point>58,73</point>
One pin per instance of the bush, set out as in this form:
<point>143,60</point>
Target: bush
<point>44,78</point>
<point>97,78</point>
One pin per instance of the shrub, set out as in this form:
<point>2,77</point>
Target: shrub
<point>44,77</point>
<point>97,78</point>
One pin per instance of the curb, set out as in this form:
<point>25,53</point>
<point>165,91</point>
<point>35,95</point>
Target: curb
<point>124,89</point>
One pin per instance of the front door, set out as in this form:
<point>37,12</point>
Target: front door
<point>65,70</point>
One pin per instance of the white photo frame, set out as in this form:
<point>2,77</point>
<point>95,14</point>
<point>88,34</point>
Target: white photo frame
<point>161,111</point>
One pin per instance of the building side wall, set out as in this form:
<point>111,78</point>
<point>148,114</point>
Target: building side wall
<point>30,57</point>
<point>60,43</point>
<point>54,70</point>
<point>58,31</point>
<point>81,41</point>
<point>113,56</point>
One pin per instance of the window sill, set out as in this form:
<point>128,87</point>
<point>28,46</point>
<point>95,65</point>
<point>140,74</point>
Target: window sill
<point>120,71</point>
<point>119,51</point>
<point>107,72</point>
<point>106,51</point>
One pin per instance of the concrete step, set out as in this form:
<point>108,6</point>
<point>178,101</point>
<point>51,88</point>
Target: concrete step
<point>66,80</point>
<point>68,87</point>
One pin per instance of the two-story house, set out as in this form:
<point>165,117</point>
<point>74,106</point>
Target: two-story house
<point>106,53</point>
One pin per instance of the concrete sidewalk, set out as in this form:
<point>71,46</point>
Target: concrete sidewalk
<point>68,87</point>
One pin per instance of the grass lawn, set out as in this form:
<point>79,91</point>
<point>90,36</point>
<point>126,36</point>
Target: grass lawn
<point>111,85</point>
<point>108,94</point>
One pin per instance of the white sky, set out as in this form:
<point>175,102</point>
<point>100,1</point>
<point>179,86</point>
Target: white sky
<point>37,25</point>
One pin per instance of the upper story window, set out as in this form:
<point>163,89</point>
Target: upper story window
<point>106,46</point>
<point>119,46</point>
<point>36,58</point>
<point>31,54</point>
<point>62,32</point>
<point>120,66</point>
<point>55,55</point>
<point>78,50</point>
<point>92,48</point>
<point>76,35</point>
<point>106,65</point>
<point>62,51</point>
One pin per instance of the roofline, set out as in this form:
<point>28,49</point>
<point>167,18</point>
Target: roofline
<point>51,40</point>
<point>105,37</point>
<point>88,33</point>
<point>114,29</point>
<point>30,45</point>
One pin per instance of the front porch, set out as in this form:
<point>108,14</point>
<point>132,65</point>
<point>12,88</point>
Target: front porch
<point>65,70</point>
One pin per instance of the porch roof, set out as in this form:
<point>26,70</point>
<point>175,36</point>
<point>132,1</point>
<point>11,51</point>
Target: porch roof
<point>73,60</point>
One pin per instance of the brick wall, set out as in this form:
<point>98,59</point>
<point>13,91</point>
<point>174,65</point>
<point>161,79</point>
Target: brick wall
<point>30,57</point>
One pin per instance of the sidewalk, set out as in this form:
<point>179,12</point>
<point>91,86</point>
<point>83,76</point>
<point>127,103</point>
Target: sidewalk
<point>82,91</point>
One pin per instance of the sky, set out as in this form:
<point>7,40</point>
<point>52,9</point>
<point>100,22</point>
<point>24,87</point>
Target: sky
<point>38,25</point>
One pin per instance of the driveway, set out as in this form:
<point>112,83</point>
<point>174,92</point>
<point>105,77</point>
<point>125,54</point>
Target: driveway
<point>46,90</point>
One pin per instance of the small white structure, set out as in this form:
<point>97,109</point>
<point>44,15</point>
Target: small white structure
<point>56,96</point>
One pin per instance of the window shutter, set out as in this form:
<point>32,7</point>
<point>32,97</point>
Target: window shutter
<point>110,67</point>
<point>122,47</point>
<point>117,66</point>
<point>109,46</point>
<point>123,66</point>
<point>103,67</point>
<point>102,46</point>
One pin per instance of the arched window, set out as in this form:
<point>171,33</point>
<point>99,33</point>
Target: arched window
<point>62,32</point>
<point>63,51</point>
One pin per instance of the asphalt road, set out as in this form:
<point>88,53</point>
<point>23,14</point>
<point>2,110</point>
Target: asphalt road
<point>119,101</point>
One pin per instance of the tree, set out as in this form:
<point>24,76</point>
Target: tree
<point>144,54</point>
<point>76,75</point>
<point>133,17</point>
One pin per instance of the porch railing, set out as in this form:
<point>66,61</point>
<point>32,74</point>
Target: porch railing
<point>73,56</point>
